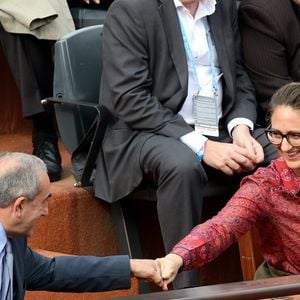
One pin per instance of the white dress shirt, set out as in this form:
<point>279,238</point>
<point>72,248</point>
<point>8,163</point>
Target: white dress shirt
<point>196,35</point>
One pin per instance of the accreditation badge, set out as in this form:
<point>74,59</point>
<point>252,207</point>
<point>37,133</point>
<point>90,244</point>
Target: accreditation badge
<point>205,115</point>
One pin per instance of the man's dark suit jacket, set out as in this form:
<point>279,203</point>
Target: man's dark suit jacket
<point>145,80</point>
<point>270,31</point>
<point>68,273</point>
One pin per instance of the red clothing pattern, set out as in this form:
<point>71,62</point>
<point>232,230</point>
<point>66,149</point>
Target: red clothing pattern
<point>268,199</point>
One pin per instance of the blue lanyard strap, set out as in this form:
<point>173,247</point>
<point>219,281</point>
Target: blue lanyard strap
<point>191,57</point>
<point>188,51</point>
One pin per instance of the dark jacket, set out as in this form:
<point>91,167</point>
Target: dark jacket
<point>67,273</point>
<point>270,31</point>
<point>145,80</point>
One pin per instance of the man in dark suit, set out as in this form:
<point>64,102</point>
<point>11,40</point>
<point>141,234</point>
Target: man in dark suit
<point>24,194</point>
<point>270,32</point>
<point>161,58</point>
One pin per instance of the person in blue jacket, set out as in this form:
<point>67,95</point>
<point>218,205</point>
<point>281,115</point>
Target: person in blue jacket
<point>24,194</point>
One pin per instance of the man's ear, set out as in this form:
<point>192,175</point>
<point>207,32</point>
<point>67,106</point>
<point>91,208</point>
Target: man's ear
<point>18,206</point>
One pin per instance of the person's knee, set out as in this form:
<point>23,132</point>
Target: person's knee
<point>186,169</point>
<point>165,159</point>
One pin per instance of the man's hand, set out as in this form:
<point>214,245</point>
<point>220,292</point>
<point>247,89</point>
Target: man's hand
<point>242,137</point>
<point>89,1</point>
<point>169,266</point>
<point>228,158</point>
<point>147,269</point>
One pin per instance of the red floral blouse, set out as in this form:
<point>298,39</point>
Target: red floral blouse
<point>270,199</point>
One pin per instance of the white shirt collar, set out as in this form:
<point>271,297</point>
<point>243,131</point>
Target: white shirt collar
<point>205,7</point>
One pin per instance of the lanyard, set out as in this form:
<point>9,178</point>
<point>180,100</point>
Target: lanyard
<point>191,57</point>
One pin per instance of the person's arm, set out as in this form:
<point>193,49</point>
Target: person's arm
<point>86,273</point>
<point>208,240</point>
<point>76,273</point>
<point>127,79</point>
<point>264,52</point>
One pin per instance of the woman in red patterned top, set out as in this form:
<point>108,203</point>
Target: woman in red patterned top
<point>268,199</point>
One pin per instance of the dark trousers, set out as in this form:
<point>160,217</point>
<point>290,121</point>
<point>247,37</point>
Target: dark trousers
<point>31,63</point>
<point>180,180</point>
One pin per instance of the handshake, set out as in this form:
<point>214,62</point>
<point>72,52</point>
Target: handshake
<point>160,271</point>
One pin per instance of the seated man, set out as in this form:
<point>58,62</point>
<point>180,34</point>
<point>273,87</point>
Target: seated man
<point>268,199</point>
<point>30,57</point>
<point>24,195</point>
<point>181,106</point>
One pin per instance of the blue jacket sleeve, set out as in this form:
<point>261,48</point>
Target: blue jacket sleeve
<point>76,273</point>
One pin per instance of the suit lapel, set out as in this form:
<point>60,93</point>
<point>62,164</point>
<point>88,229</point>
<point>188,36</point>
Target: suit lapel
<point>18,254</point>
<point>171,25</point>
<point>215,22</point>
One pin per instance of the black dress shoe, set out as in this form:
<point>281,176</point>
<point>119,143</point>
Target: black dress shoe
<point>49,153</point>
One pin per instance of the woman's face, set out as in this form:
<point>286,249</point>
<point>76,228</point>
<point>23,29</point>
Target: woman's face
<point>297,1</point>
<point>286,119</point>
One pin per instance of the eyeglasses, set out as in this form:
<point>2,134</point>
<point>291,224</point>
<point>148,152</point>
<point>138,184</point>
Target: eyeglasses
<point>276,137</point>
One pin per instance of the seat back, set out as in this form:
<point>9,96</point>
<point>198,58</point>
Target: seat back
<point>77,74</point>
<point>83,16</point>
<point>250,253</point>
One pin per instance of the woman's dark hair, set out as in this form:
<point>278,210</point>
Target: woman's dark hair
<point>288,95</point>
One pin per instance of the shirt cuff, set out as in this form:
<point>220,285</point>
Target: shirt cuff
<point>186,258</point>
<point>194,140</point>
<point>239,121</point>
